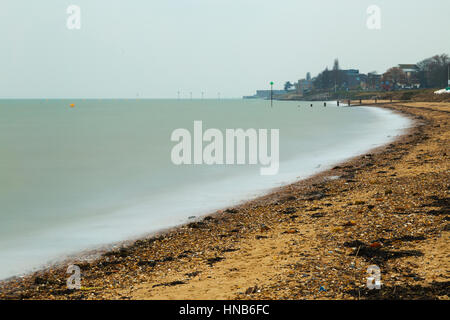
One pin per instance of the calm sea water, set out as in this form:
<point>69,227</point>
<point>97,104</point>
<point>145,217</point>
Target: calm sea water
<point>77,178</point>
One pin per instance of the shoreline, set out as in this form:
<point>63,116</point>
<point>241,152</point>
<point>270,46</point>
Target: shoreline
<point>154,267</point>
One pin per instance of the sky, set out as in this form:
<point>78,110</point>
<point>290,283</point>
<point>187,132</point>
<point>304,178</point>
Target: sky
<point>153,49</point>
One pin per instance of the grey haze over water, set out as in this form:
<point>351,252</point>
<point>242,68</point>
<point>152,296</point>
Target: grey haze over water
<point>152,49</point>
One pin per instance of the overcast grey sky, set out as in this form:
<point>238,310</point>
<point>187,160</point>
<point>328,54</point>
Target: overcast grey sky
<point>156,48</point>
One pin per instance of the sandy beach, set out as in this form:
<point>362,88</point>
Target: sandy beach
<point>313,239</point>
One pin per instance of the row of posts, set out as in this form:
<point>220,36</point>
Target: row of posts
<point>349,102</point>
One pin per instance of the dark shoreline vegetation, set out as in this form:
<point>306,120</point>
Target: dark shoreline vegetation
<point>416,95</point>
<point>313,239</point>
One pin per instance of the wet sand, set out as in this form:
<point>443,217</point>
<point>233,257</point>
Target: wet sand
<point>313,239</point>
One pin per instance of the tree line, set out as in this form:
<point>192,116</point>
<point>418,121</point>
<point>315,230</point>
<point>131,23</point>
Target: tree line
<point>431,73</point>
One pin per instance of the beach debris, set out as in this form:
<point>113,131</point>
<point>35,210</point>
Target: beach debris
<point>193,274</point>
<point>350,223</point>
<point>315,196</point>
<point>354,244</point>
<point>376,245</point>
<point>252,290</point>
<point>169,284</point>
<point>90,288</point>
<point>231,210</point>
<point>322,289</point>
<point>185,254</point>
<point>40,281</point>
<point>212,261</point>
<point>150,263</point>
<point>375,251</point>
<point>197,225</point>
<point>318,215</point>
<point>230,250</point>
<point>289,198</point>
<point>442,91</point>
<point>290,231</point>
<point>166,259</point>
<point>289,210</point>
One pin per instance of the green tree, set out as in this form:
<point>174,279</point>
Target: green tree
<point>288,85</point>
<point>433,71</point>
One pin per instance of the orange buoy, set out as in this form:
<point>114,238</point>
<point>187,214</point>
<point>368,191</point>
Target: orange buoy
<point>72,105</point>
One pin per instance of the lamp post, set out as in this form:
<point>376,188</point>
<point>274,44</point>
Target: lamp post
<point>448,77</point>
<point>271,93</point>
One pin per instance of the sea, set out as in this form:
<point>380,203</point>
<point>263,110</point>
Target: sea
<point>78,175</point>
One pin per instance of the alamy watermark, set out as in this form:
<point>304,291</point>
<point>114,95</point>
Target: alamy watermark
<point>374,279</point>
<point>231,151</point>
<point>74,19</point>
<point>74,281</point>
<point>374,17</point>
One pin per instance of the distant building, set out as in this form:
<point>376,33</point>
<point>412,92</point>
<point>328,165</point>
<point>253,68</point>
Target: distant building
<point>351,71</point>
<point>304,85</point>
<point>409,69</point>
<point>373,81</point>
<point>354,80</point>
<point>265,94</point>
<point>412,81</point>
